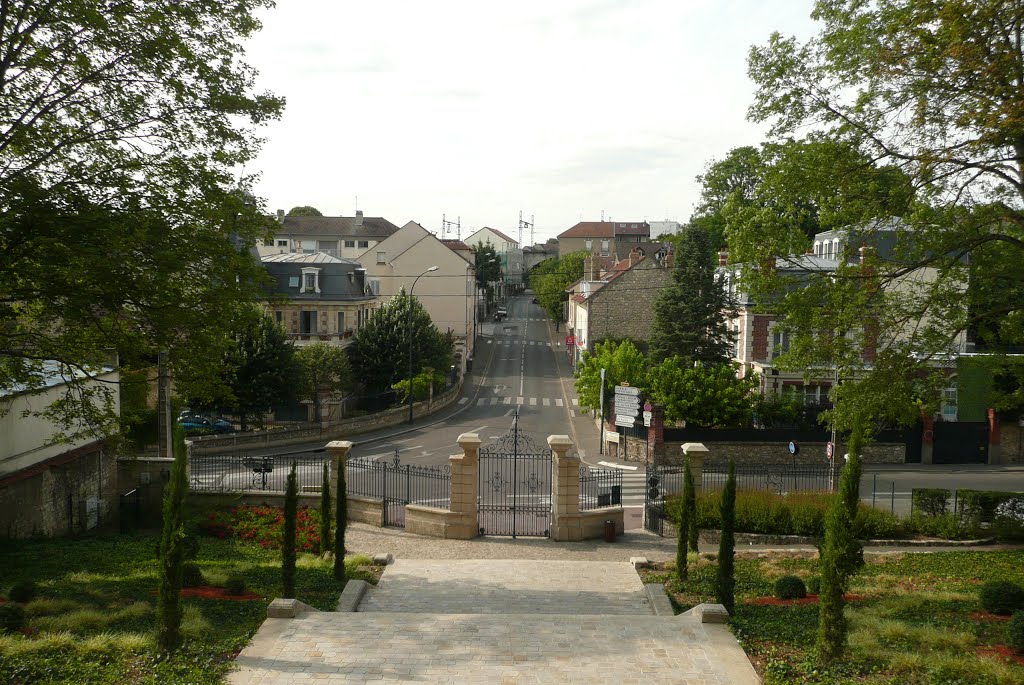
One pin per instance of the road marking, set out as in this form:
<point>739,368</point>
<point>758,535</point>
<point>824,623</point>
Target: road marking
<point>519,400</point>
<point>463,400</point>
<point>481,402</point>
<point>575,402</point>
<point>476,430</point>
<point>494,401</point>
<point>533,401</point>
<point>618,466</point>
<point>508,400</point>
<point>510,412</point>
<point>547,402</point>
<point>558,402</point>
<point>572,413</point>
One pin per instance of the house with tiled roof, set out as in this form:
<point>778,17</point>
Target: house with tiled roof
<point>616,300</point>
<point>508,249</point>
<point>605,238</point>
<point>348,237</point>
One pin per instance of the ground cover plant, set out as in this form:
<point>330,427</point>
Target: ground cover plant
<point>914,618</point>
<point>93,617</point>
<point>263,525</point>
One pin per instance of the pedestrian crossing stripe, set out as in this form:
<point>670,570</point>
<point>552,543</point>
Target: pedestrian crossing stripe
<point>575,402</point>
<point>508,400</point>
<point>531,401</point>
<point>547,402</point>
<point>464,400</point>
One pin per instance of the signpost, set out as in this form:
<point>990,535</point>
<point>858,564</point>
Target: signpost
<point>570,340</point>
<point>647,418</point>
<point>829,449</point>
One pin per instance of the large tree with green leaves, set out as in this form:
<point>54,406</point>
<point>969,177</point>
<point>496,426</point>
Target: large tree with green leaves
<point>914,112</point>
<point>488,265</point>
<point>380,351</point>
<point>260,369</point>
<point>324,368</point>
<point>690,315</point>
<point>622,362</point>
<point>304,210</point>
<point>122,223</point>
<point>550,278</point>
<point>704,396</point>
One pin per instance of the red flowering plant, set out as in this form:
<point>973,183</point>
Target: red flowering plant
<point>262,524</point>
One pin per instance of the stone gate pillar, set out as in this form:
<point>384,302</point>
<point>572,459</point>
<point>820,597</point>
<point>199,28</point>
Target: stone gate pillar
<point>465,478</point>
<point>565,490</point>
<point>337,451</point>
<point>696,451</point>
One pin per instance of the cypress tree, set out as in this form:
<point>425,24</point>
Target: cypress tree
<point>325,509</point>
<point>840,556</point>
<point>690,502</point>
<point>725,581</point>
<point>341,520</point>
<point>291,506</point>
<point>172,550</point>
<point>684,523</point>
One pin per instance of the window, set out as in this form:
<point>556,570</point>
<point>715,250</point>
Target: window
<point>589,244</point>
<point>282,243</point>
<point>780,343</point>
<point>604,248</point>
<point>341,322</point>
<point>307,323</point>
<point>310,283</point>
<point>279,317</point>
<point>736,341</point>
<point>293,281</point>
<point>310,280</point>
<point>268,242</point>
<point>350,243</point>
<point>381,258</point>
<point>327,247</point>
<point>374,286</point>
<point>364,243</point>
<point>949,412</point>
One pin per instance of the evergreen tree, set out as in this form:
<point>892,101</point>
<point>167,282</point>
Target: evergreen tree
<point>261,368</point>
<point>725,580</point>
<point>291,505</point>
<point>840,555</point>
<point>325,509</point>
<point>690,315</point>
<point>690,502</point>
<point>172,550</point>
<point>341,520</point>
<point>684,524</point>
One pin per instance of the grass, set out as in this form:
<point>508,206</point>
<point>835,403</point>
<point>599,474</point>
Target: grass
<point>913,625</point>
<point>93,620</point>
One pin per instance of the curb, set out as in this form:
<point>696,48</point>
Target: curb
<point>711,537</point>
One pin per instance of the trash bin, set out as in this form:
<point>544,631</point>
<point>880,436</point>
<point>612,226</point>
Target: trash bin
<point>609,531</point>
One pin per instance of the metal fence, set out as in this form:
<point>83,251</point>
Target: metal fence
<point>238,473</point>
<point>398,484</point>
<point>780,478</point>
<point>600,488</point>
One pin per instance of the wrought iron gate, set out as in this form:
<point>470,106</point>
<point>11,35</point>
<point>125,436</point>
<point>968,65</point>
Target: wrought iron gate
<point>514,486</point>
<point>398,484</point>
<point>662,482</point>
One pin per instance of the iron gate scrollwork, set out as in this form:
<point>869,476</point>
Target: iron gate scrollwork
<point>514,487</point>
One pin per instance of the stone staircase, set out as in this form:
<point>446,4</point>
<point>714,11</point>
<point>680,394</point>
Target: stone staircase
<point>477,621</point>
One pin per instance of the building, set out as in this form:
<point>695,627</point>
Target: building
<point>448,294</point>
<point>616,300</point>
<point>605,238</point>
<point>318,298</point>
<point>508,249</point>
<point>660,229</point>
<point>337,236</point>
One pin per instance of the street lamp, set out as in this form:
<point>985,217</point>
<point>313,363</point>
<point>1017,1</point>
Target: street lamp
<point>408,328</point>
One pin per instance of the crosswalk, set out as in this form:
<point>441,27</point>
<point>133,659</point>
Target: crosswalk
<point>538,343</point>
<point>522,401</point>
<point>634,485</point>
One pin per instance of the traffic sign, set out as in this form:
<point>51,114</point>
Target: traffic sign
<point>624,421</point>
<point>647,418</point>
<point>570,341</point>
<point>648,406</point>
<point>829,449</point>
<point>627,390</point>
<point>625,403</point>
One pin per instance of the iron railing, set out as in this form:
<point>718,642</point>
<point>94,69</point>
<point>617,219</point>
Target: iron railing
<point>239,473</point>
<point>600,488</point>
<point>780,478</point>
<point>398,484</point>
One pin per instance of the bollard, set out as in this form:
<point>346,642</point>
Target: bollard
<point>609,531</point>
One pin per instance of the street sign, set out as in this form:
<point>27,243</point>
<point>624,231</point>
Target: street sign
<point>794,447</point>
<point>570,340</point>
<point>626,406</point>
<point>829,449</point>
<point>624,421</point>
<point>648,406</point>
<point>627,390</point>
<point>647,418</point>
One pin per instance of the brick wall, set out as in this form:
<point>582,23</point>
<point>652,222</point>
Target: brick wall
<point>1012,442</point>
<point>760,343</point>
<point>68,494</point>
<point>624,308</point>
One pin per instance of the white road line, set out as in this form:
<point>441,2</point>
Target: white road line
<point>558,402</point>
<point>481,402</point>
<point>547,402</point>
<point>618,466</point>
<point>575,402</point>
<point>494,401</point>
<point>519,400</point>
<point>533,401</point>
<point>475,430</point>
<point>508,400</point>
<point>510,412</point>
<point>572,413</point>
<point>463,400</point>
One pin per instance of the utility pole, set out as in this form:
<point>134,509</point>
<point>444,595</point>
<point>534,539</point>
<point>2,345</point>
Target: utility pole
<point>446,227</point>
<point>525,224</point>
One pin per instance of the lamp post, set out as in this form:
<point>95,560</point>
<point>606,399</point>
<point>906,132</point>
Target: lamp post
<point>408,328</point>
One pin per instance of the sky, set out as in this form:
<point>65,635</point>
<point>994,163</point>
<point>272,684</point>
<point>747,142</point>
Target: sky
<point>565,110</point>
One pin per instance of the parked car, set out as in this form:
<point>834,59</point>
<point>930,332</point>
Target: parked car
<point>203,424</point>
<point>500,314</point>
<point>536,301</point>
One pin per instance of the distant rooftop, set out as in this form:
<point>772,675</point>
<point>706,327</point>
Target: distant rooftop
<point>305,258</point>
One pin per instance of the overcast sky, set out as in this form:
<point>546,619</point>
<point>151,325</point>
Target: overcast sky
<point>559,108</point>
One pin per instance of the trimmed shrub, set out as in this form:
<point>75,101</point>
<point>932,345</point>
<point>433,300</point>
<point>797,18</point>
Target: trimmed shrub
<point>814,584</point>
<point>725,578</point>
<point>1016,631</point>
<point>1008,523</point>
<point>951,526</point>
<point>982,504</point>
<point>930,501</point>
<point>12,617</point>
<point>191,576</point>
<point>22,592</point>
<point>235,585</point>
<point>790,587</point>
<point>871,523</point>
<point>1001,597</point>
<point>291,509</point>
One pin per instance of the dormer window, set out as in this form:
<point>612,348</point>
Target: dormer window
<point>310,280</point>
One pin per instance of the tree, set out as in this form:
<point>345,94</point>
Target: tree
<point>172,550</point>
<point>912,108</point>
<point>725,578</point>
<point>685,523</point>
<point>488,265</point>
<point>690,316</point>
<point>550,278</point>
<point>324,369</point>
<point>340,522</point>
<point>120,216</point>
<point>291,505</point>
<point>380,351</point>
<point>325,509</point>
<point>304,210</point>
<point>733,178</point>
<point>622,362</point>
<point>422,384</point>
<point>261,368</point>
<point>704,396</point>
<point>690,505</point>
<point>840,556</point>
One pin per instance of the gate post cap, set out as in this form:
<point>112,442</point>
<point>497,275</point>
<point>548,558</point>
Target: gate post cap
<point>339,445</point>
<point>694,448</point>
<point>556,441</point>
<point>468,439</point>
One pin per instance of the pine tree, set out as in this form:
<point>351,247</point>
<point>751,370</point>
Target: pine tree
<point>341,520</point>
<point>172,549</point>
<point>291,505</point>
<point>684,524</point>
<point>325,509</point>
<point>840,555</point>
<point>690,316</point>
<point>690,502</point>
<point>725,581</point>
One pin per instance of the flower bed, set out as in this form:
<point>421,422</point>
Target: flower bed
<point>263,524</point>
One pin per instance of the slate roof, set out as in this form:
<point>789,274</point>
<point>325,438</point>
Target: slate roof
<point>305,258</point>
<point>337,226</point>
<point>631,228</point>
<point>338,280</point>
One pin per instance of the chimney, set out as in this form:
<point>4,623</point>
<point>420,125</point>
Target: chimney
<point>280,216</point>
<point>359,217</point>
<point>723,258</point>
<point>634,256</point>
<point>360,280</point>
<point>864,252</point>
<point>670,259</point>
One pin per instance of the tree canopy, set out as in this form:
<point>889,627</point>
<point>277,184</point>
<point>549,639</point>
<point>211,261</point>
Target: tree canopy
<point>380,352</point>
<point>915,138</point>
<point>703,396</point>
<point>622,362</point>
<point>488,264</point>
<point>260,369</point>
<point>550,278</point>
<point>304,210</point>
<point>323,367</point>
<point>122,224</point>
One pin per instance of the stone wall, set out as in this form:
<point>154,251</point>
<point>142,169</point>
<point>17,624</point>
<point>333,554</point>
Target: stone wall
<point>68,494</point>
<point>776,453</point>
<point>623,308</point>
<point>1012,442</point>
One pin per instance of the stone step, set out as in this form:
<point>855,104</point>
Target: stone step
<point>509,587</point>
<point>446,648</point>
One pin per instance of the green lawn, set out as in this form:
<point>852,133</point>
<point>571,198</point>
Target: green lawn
<point>93,618</point>
<point>912,624</point>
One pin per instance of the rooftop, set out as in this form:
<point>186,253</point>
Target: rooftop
<point>337,226</point>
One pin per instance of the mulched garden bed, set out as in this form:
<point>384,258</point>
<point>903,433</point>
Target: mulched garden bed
<point>210,592</point>
<point>1002,652</point>
<point>809,599</point>
<point>986,617</point>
